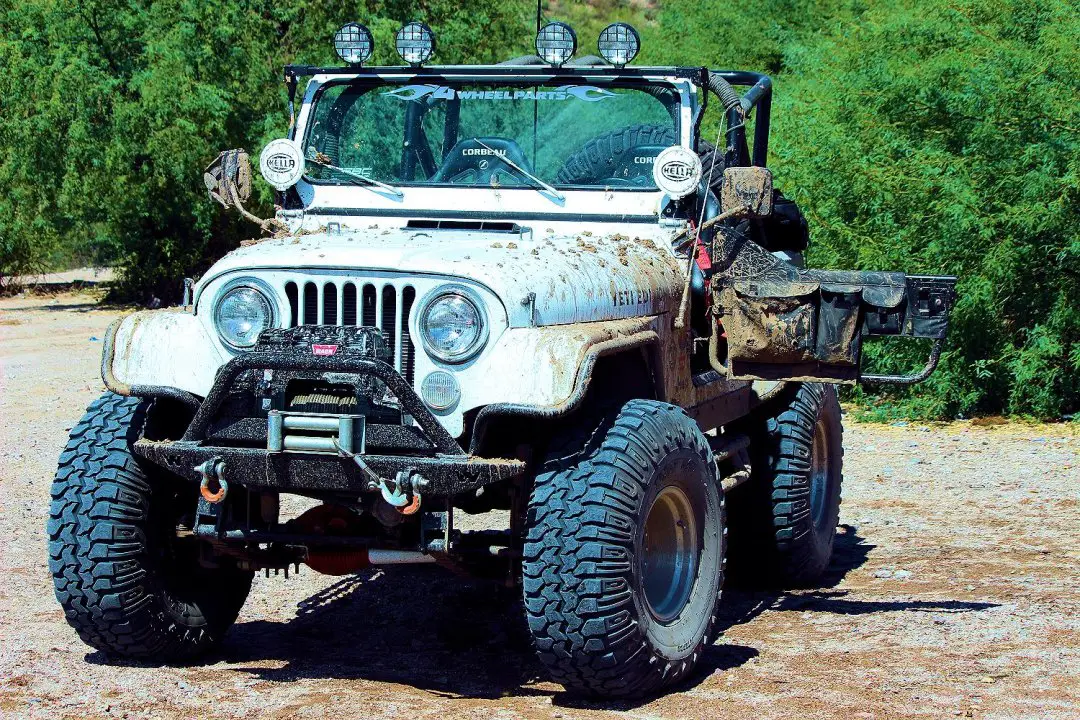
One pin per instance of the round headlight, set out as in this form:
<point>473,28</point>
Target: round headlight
<point>241,314</point>
<point>452,327</point>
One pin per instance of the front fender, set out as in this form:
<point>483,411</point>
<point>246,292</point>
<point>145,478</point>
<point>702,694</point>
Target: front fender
<point>160,348</point>
<point>545,368</point>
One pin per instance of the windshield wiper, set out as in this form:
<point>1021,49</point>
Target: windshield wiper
<point>358,176</point>
<point>540,183</point>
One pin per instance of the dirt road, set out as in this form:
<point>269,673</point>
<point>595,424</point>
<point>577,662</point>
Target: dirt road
<point>953,593</point>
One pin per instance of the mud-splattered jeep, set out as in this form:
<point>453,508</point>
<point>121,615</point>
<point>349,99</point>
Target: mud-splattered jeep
<point>531,287</point>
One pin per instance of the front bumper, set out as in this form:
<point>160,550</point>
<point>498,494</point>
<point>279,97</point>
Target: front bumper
<point>310,472</point>
<point>446,468</point>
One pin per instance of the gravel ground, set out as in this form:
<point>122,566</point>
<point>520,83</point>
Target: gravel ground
<point>953,593</point>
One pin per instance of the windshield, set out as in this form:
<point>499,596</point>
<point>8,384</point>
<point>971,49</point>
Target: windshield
<point>572,136</point>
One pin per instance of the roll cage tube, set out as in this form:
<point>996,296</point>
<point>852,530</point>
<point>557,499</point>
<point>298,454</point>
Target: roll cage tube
<point>758,96</point>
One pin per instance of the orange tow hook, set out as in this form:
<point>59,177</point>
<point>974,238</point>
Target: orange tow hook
<point>213,475</point>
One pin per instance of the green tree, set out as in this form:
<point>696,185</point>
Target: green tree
<point>112,109</point>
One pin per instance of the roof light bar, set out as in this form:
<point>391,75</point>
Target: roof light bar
<point>353,43</point>
<point>619,43</point>
<point>415,43</point>
<point>556,43</point>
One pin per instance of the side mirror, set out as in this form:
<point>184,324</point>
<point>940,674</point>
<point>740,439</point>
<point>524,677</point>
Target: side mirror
<point>228,178</point>
<point>748,187</point>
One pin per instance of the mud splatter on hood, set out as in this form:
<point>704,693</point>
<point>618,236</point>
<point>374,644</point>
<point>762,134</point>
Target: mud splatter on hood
<point>575,277</point>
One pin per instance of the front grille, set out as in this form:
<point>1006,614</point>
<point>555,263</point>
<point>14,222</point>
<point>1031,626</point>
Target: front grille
<point>386,307</point>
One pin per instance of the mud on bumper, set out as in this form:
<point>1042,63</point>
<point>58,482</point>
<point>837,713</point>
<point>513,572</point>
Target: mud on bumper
<point>258,452</point>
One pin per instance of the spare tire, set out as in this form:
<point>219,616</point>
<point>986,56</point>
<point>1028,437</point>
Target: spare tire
<point>603,156</point>
<point>606,155</point>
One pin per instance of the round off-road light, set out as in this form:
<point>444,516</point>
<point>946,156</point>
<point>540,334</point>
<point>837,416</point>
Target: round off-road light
<point>415,43</point>
<point>452,326</point>
<point>241,313</point>
<point>440,390</point>
<point>677,171</point>
<point>556,43</point>
<point>282,163</point>
<point>619,43</point>
<point>353,43</point>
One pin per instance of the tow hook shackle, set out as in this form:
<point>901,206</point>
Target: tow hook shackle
<point>393,497</point>
<point>213,476</point>
<point>395,492</point>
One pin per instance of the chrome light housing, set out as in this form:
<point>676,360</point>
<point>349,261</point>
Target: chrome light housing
<point>353,43</point>
<point>556,43</point>
<point>452,325</point>
<point>415,43</point>
<point>619,43</point>
<point>242,311</point>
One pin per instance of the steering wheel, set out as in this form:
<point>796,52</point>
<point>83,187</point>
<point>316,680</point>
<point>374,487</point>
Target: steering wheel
<point>478,160</point>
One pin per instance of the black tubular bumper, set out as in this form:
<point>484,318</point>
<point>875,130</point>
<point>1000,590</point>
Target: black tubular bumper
<point>448,471</point>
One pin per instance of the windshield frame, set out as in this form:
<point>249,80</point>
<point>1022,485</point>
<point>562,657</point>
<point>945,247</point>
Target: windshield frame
<point>682,81</point>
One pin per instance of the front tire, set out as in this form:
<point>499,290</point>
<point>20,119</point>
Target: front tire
<point>127,586</point>
<point>624,556</point>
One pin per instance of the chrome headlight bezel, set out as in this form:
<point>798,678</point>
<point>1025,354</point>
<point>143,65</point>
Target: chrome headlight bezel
<point>249,283</point>
<point>474,300</point>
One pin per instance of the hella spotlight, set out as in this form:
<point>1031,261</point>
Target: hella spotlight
<point>353,43</point>
<point>415,43</point>
<point>556,43</point>
<point>619,44</point>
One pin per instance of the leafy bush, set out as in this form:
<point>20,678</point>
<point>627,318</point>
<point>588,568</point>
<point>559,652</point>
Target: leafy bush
<point>946,138</point>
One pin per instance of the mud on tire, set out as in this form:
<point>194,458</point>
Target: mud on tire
<point>123,585</point>
<point>783,521</point>
<point>608,617</point>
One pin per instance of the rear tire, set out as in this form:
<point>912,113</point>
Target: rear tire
<point>127,586</point>
<point>624,555</point>
<point>783,522</point>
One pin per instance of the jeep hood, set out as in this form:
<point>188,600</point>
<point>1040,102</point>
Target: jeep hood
<point>575,277</point>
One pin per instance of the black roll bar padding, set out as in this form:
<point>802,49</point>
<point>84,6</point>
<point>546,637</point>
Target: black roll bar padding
<point>524,60</point>
<point>257,360</point>
<point>758,96</point>
<point>588,61</point>
<point>408,149</point>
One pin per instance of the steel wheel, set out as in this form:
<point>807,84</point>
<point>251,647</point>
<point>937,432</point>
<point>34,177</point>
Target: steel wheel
<point>672,548</point>
<point>819,475</point>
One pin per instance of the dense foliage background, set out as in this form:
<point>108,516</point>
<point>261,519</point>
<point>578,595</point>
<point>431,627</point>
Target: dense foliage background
<point>917,135</point>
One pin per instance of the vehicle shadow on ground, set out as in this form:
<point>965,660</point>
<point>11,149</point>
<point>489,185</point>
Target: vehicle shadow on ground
<point>745,602</point>
<point>421,627</point>
<point>462,638</point>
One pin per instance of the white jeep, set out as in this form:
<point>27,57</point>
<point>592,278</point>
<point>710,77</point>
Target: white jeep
<point>531,287</point>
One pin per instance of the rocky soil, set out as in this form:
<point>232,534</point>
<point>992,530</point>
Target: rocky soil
<point>953,593</point>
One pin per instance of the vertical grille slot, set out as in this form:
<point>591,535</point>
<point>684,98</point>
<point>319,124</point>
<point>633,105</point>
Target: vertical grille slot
<point>368,315</point>
<point>293,294</point>
<point>330,304</point>
<point>389,322</point>
<point>311,305</point>
<point>348,303</point>
<point>408,350</point>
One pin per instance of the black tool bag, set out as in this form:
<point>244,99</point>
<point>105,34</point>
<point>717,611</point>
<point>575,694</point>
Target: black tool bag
<point>786,323</point>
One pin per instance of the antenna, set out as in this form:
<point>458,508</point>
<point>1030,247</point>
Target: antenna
<point>539,11</point>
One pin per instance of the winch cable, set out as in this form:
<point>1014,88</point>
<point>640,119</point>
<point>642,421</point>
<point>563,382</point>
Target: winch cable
<point>692,247</point>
